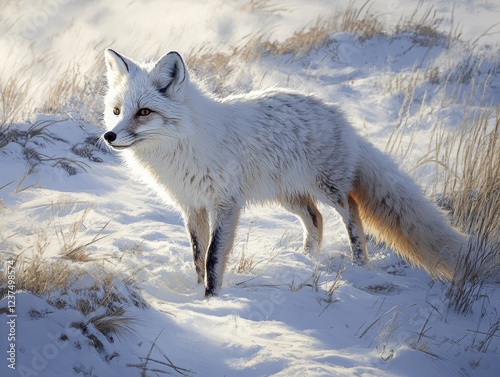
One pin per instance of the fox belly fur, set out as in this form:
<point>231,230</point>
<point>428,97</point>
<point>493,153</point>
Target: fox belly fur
<point>213,156</point>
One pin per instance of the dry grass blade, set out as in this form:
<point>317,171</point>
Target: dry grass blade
<point>7,184</point>
<point>335,285</point>
<point>492,333</point>
<point>365,331</point>
<point>78,252</point>
<point>144,366</point>
<point>394,143</point>
<point>246,263</point>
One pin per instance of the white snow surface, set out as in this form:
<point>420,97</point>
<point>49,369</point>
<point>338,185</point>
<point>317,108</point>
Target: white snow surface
<point>276,318</point>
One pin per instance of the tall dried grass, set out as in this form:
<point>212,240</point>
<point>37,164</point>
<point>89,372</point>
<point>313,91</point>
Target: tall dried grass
<point>466,162</point>
<point>472,192</point>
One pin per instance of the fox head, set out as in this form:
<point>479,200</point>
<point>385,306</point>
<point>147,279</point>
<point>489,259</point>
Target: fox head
<point>144,101</point>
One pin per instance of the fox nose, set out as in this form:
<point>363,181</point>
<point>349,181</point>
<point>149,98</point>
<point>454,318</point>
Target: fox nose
<point>109,136</point>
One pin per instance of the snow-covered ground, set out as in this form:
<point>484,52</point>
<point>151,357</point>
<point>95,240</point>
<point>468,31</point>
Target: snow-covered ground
<point>280,312</point>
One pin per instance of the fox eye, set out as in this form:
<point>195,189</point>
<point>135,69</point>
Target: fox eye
<point>116,111</point>
<point>144,112</point>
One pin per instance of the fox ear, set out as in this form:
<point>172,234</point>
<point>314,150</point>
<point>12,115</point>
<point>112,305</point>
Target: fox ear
<point>171,74</point>
<point>118,66</point>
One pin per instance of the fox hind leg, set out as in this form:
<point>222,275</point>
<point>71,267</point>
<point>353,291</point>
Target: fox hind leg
<point>356,234</point>
<point>348,210</point>
<point>304,207</point>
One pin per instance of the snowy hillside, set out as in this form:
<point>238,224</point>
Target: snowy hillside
<point>102,269</point>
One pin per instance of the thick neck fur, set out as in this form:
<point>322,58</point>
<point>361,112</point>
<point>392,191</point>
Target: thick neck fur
<point>187,165</point>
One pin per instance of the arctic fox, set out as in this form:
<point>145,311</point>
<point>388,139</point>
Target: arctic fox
<point>213,156</point>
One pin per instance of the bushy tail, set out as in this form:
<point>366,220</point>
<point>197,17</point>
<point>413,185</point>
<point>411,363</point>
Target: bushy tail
<point>394,210</point>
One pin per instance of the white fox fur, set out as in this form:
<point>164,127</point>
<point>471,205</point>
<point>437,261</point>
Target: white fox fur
<point>213,156</point>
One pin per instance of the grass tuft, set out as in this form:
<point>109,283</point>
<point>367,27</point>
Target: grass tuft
<point>116,322</point>
<point>300,43</point>
<point>362,21</point>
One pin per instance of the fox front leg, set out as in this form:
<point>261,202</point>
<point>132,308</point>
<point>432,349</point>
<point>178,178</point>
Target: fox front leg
<point>224,223</point>
<point>198,228</point>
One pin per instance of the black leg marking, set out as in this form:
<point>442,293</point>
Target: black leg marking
<point>314,218</point>
<point>213,264</point>
<point>358,257</point>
